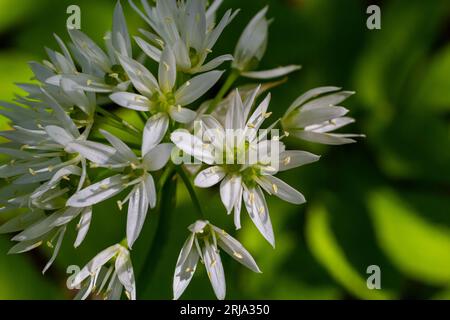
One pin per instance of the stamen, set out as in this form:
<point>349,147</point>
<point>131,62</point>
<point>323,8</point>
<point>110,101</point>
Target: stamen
<point>287,161</point>
<point>166,65</point>
<point>267,115</point>
<point>32,172</point>
<point>89,83</point>
<point>237,255</point>
<point>275,188</point>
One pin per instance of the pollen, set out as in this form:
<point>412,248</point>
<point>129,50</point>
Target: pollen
<point>166,65</point>
<point>267,115</point>
<point>237,255</point>
<point>275,188</point>
<point>213,263</point>
<point>66,178</point>
<point>188,84</point>
<point>32,172</point>
<point>89,83</point>
<point>261,211</point>
<point>104,187</point>
<point>251,198</point>
<point>287,161</point>
<point>120,205</point>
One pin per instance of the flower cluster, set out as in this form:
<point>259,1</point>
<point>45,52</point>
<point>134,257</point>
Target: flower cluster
<point>66,152</point>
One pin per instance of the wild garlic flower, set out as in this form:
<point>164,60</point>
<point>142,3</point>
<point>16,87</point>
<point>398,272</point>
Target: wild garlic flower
<point>243,162</point>
<point>204,244</point>
<point>63,160</point>
<point>315,114</point>
<point>160,97</point>
<point>252,46</point>
<point>108,274</point>
<point>135,174</point>
<point>188,28</point>
<point>101,71</point>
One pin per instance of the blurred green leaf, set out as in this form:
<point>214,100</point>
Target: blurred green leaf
<point>415,246</point>
<point>434,91</point>
<point>11,11</point>
<point>324,246</point>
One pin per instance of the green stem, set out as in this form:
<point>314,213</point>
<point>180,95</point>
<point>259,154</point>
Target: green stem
<point>234,75</point>
<point>166,203</point>
<point>187,182</point>
<point>115,118</point>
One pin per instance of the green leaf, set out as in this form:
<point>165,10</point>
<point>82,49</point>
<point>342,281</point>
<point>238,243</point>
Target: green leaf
<point>434,90</point>
<point>325,248</point>
<point>416,246</point>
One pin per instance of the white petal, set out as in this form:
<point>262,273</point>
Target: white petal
<point>215,63</point>
<point>284,191</point>
<point>158,157</point>
<point>167,70</point>
<point>209,177</point>
<point>120,36</point>
<point>131,101</point>
<point>154,132</point>
<point>94,151</point>
<point>83,226</point>
<point>235,115</point>
<point>98,192</point>
<point>150,189</point>
<point>309,95</point>
<point>196,87</point>
<point>293,159</point>
<point>270,74</point>
<point>317,116</point>
<point>137,212</point>
<point>236,250</point>
<point>153,52</point>
<point>193,146</point>
<point>216,275</point>
<point>230,191</point>
<point>333,99</point>
<point>59,135</point>
<point>259,213</point>
<point>182,115</point>
<point>95,264</point>
<point>333,125</point>
<point>125,273</point>
<point>141,78</point>
<point>60,238</point>
<point>186,266</point>
<point>122,149</point>
<point>325,138</point>
<point>237,209</point>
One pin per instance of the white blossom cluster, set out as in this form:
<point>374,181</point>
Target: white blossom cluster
<point>64,158</point>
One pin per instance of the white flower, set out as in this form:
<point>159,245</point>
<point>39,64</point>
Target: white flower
<point>136,174</point>
<point>100,70</point>
<point>188,29</point>
<point>243,180</point>
<point>204,244</point>
<point>315,114</point>
<point>112,265</point>
<point>251,48</point>
<point>160,97</point>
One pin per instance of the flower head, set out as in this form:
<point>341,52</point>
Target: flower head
<point>204,244</point>
<point>188,28</point>
<point>109,273</point>
<point>315,114</point>
<point>135,174</point>
<point>243,162</point>
<point>160,97</point>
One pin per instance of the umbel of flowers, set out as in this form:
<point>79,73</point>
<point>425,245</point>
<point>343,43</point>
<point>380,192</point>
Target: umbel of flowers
<point>61,135</point>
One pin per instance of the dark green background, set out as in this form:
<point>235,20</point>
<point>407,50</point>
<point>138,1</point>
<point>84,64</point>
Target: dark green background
<point>384,201</point>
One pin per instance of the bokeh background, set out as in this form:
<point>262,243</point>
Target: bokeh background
<point>384,201</point>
